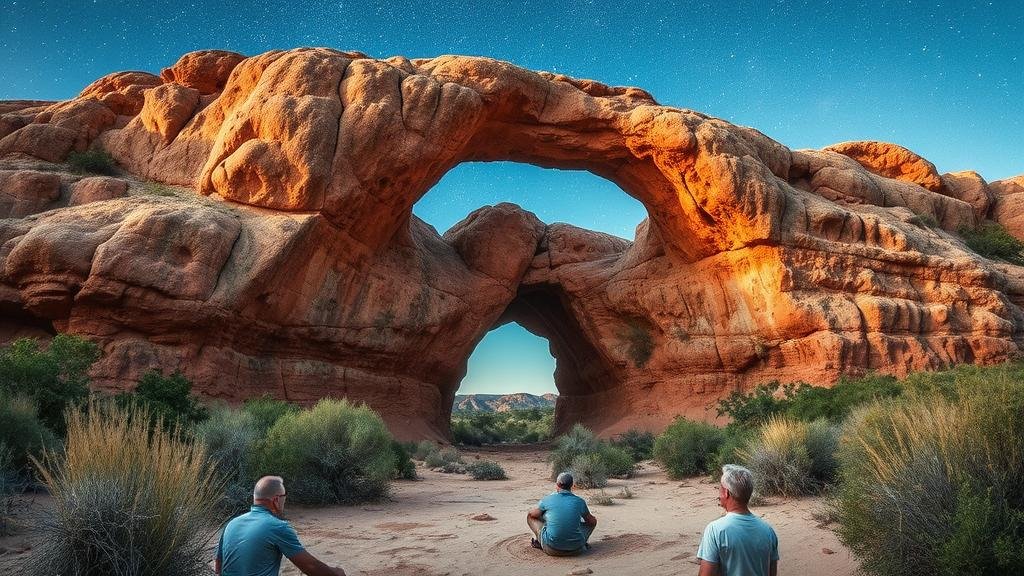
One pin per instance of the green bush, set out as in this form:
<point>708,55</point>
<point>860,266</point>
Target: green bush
<point>334,453</point>
<point>441,457</point>
<point>639,443</point>
<point>53,378</point>
<point>525,426</point>
<point>687,448</point>
<point>931,484</point>
<point>578,441</point>
<point>822,444</point>
<point>617,461</point>
<point>22,434</point>
<point>92,162</point>
<point>730,451</point>
<point>805,402</point>
<point>992,241</point>
<point>126,500</point>
<point>230,437</point>
<point>486,470</point>
<point>267,411</point>
<point>639,344</point>
<point>166,398</point>
<point>405,468</point>
<point>589,471</point>
<point>424,449</point>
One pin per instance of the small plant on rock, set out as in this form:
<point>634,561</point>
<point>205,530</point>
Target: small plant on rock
<point>92,162</point>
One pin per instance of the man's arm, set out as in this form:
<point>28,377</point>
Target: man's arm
<point>773,570</point>
<point>589,519</point>
<point>310,566</point>
<point>711,569</point>
<point>216,566</point>
<point>536,514</point>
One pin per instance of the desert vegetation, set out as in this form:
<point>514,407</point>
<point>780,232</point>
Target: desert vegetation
<point>993,241</point>
<point>922,475</point>
<point>590,460</point>
<point>525,426</point>
<point>92,162</point>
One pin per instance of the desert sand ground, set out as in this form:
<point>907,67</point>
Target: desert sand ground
<point>445,524</point>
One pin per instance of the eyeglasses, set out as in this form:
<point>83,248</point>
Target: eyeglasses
<point>281,495</point>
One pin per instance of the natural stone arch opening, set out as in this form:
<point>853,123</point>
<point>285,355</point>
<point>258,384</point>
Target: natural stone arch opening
<point>582,375</point>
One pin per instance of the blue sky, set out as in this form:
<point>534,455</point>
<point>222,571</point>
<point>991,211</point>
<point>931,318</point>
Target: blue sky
<point>945,79</point>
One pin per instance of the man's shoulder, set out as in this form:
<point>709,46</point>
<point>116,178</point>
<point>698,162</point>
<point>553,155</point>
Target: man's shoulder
<point>740,522</point>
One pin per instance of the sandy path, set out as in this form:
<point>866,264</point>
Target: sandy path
<point>428,529</point>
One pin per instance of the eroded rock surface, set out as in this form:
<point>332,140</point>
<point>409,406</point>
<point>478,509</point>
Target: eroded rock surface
<point>304,273</point>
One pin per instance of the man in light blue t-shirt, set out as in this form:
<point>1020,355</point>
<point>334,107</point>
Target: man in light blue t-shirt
<point>739,543</point>
<point>252,544</point>
<point>561,522</point>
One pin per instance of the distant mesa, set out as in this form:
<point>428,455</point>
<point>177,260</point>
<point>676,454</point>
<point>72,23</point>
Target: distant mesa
<point>502,402</point>
<point>260,238</point>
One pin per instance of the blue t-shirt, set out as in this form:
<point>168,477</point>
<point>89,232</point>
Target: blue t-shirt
<point>252,544</point>
<point>741,544</point>
<point>563,512</point>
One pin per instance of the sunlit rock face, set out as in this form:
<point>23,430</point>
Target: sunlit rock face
<point>291,263</point>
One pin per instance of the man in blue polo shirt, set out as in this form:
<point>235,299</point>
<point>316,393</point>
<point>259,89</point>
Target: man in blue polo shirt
<point>252,544</point>
<point>739,543</point>
<point>561,522</point>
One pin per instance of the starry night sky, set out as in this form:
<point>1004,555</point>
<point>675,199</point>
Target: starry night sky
<point>943,78</point>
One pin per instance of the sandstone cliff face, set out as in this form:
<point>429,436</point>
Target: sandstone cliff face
<point>291,263</point>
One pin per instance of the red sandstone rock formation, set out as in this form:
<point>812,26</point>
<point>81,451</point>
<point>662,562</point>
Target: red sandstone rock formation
<point>304,274</point>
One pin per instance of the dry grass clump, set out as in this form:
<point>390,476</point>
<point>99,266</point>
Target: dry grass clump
<point>791,458</point>
<point>933,485</point>
<point>127,500</point>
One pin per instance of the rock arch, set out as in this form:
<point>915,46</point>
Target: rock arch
<point>305,273</point>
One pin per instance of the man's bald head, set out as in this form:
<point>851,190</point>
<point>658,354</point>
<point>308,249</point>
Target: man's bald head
<point>268,487</point>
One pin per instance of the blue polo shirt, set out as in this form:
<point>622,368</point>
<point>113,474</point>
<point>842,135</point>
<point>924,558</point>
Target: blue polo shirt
<point>563,512</point>
<point>741,544</point>
<point>252,544</point>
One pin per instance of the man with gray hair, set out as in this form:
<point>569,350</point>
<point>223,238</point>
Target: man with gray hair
<point>739,543</point>
<point>561,522</point>
<point>252,544</point>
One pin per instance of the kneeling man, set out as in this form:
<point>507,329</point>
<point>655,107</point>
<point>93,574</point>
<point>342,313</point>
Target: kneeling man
<point>561,522</point>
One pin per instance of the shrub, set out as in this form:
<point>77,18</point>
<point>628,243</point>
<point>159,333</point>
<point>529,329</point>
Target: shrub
<point>486,470</point>
<point>22,434</point>
<point>334,453</point>
<point>577,442</point>
<point>625,493</point>
<point>230,437</point>
<point>453,468</point>
<point>687,448</point>
<point>992,241</point>
<point>405,469</point>
<point>443,456</point>
<point>805,402</point>
<point>589,471</point>
<point>617,461</point>
<point>779,460</point>
<point>822,444</point>
<point>931,485</point>
<point>267,411</point>
<point>10,486</point>
<point>424,449</point>
<point>166,398</point>
<point>54,378</point>
<point>638,341</point>
<point>601,499</point>
<point>126,500</point>
<point>92,162</point>
<point>639,443</point>
<point>730,451</point>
